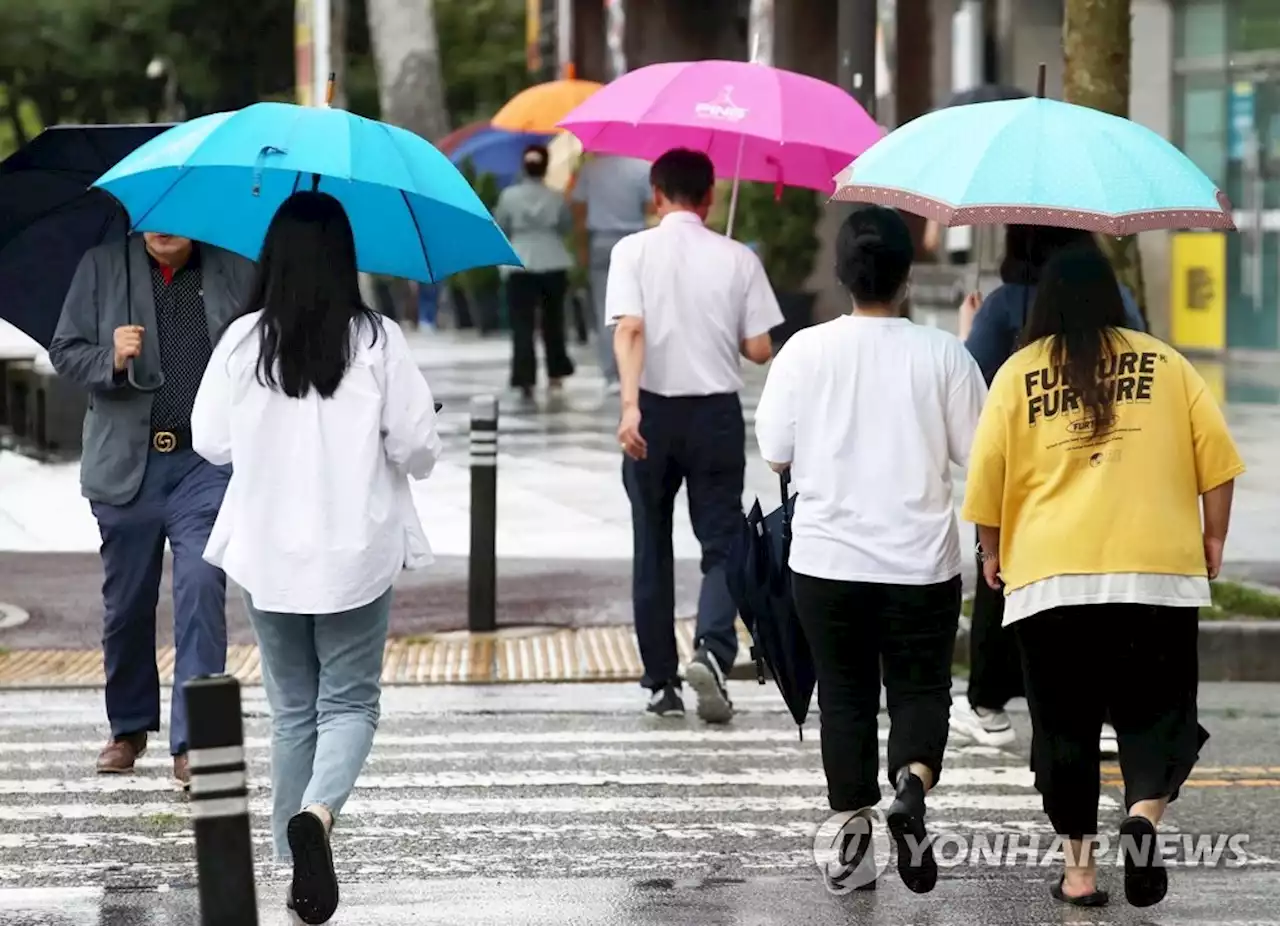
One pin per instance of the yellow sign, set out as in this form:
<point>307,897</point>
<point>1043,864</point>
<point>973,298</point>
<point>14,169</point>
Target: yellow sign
<point>304,50</point>
<point>1199,290</point>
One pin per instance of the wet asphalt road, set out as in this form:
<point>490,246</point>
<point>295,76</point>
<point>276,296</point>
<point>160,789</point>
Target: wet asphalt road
<point>560,804</point>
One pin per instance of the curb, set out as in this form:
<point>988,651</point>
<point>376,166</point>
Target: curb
<point>1230,651</point>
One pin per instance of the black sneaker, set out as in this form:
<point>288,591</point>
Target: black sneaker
<point>844,850</point>
<point>666,702</point>
<point>916,864</point>
<point>705,677</point>
<point>314,891</point>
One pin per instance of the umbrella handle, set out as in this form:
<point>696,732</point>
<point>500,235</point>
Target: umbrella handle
<point>733,198</point>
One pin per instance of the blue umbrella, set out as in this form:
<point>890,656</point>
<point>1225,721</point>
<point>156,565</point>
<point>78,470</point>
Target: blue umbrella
<point>221,178</point>
<point>497,151</point>
<point>1036,162</point>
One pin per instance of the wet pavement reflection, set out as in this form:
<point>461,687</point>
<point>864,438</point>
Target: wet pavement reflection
<point>1014,899</point>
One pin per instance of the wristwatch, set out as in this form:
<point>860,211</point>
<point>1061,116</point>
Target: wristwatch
<point>983,555</point>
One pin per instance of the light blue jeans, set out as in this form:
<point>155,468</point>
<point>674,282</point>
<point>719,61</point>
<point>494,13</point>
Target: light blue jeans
<point>323,679</point>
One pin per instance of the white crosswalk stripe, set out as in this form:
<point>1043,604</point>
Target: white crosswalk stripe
<point>531,794</point>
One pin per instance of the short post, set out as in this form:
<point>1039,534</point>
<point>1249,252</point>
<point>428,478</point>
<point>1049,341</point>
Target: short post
<point>220,803</point>
<point>482,597</point>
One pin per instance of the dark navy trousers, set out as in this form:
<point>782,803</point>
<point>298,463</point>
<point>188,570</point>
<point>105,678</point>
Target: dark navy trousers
<point>697,441</point>
<point>179,499</point>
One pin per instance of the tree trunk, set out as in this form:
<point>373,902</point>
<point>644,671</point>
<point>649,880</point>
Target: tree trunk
<point>406,55</point>
<point>1097,40</point>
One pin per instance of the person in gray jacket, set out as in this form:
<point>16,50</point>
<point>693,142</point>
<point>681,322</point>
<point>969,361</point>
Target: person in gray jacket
<point>537,220</point>
<point>136,332</point>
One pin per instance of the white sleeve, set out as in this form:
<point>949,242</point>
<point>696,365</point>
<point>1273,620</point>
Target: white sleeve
<point>211,414</point>
<point>761,313</point>
<point>776,410</point>
<point>623,295</point>
<point>966,395</point>
<point>409,433</point>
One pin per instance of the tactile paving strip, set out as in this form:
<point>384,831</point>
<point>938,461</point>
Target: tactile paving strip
<point>516,655</point>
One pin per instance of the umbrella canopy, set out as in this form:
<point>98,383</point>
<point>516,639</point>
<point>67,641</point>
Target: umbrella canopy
<point>760,584</point>
<point>221,178</point>
<point>755,122</point>
<point>459,135</point>
<point>49,216</point>
<point>985,93</point>
<point>497,152</point>
<point>540,108</point>
<point>1036,162</point>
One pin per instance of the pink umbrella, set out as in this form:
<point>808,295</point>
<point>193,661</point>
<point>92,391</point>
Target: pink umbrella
<point>756,122</point>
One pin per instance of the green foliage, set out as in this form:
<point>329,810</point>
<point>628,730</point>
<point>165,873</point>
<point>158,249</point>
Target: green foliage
<point>480,280</point>
<point>482,55</point>
<point>786,231</point>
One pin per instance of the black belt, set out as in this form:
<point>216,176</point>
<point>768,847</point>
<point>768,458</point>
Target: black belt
<point>169,441</point>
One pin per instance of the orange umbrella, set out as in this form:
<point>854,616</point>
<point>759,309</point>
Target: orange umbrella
<point>540,108</point>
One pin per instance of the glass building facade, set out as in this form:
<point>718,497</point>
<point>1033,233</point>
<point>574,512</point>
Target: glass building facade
<point>1227,119</point>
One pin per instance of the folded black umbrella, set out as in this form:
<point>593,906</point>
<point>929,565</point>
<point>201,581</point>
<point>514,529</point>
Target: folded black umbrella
<point>985,93</point>
<point>760,583</point>
<point>50,216</point>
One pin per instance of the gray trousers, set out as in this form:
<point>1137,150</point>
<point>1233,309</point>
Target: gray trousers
<point>601,247</point>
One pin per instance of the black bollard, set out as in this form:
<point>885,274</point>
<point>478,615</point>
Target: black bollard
<point>220,803</point>
<point>482,596</point>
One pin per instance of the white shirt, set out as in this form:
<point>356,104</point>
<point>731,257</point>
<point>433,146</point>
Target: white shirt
<point>871,413</point>
<point>700,296</point>
<point>318,517</point>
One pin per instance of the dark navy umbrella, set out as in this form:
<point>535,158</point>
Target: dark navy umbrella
<point>49,216</point>
<point>760,583</point>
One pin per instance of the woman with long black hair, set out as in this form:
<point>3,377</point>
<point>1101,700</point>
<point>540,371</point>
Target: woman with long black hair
<point>316,402</point>
<point>991,329</point>
<point>1097,452</point>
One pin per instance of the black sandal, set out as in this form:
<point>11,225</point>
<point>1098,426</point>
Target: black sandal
<point>315,884</point>
<point>1146,880</point>
<point>1096,899</point>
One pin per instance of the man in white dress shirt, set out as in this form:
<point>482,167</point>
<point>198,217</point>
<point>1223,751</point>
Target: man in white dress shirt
<point>687,303</point>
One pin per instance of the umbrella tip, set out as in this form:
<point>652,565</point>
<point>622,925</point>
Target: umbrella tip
<point>328,94</point>
<point>1040,81</point>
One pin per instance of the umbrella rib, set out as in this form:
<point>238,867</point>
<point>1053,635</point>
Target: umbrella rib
<point>422,243</point>
<point>405,197</point>
<point>183,171</point>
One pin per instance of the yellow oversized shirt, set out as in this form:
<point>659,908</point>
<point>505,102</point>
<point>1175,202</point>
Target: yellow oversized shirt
<point>1127,501</point>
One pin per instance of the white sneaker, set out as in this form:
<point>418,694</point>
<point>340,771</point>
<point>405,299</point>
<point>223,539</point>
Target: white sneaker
<point>1108,746</point>
<point>982,725</point>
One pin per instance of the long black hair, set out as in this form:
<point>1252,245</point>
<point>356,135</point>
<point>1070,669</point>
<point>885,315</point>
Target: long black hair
<point>1079,308</point>
<point>308,289</point>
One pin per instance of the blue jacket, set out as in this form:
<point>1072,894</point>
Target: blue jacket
<point>1000,320</point>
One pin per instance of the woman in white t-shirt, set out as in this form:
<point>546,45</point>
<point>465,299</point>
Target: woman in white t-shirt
<point>869,412</point>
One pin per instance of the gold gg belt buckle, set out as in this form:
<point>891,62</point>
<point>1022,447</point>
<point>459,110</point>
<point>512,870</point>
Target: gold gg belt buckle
<point>164,441</point>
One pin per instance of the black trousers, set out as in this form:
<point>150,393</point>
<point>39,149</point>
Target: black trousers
<point>995,668</point>
<point>697,441</point>
<point>854,629</point>
<point>1138,662</point>
<point>526,293</point>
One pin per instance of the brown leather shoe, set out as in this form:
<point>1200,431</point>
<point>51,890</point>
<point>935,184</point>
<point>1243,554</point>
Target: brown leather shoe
<point>119,755</point>
<point>182,772</point>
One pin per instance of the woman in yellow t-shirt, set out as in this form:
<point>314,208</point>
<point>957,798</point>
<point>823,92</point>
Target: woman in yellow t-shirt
<point>1094,453</point>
